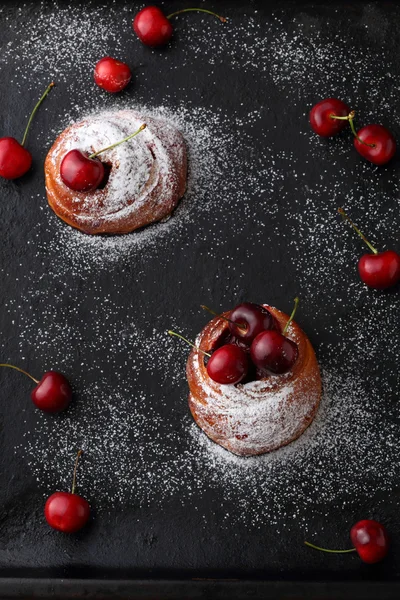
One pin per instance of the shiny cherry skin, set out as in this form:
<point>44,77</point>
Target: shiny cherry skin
<point>53,393</point>
<point>228,364</point>
<point>274,352</point>
<point>380,271</point>
<point>371,540</point>
<point>384,144</point>
<point>15,160</point>
<point>66,512</point>
<point>112,75</point>
<point>81,173</point>
<point>321,117</point>
<point>152,27</point>
<point>249,320</point>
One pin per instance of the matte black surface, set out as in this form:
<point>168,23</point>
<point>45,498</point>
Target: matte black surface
<point>169,544</point>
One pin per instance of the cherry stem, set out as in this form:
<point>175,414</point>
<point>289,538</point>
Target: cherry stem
<point>120,142</point>
<point>34,112</point>
<point>330,551</point>
<point>362,236</point>
<point>350,118</point>
<point>203,10</point>
<point>20,371</point>
<point>73,488</point>
<point>188,342</point>
<point>296,303</point>
<point>240,325</point>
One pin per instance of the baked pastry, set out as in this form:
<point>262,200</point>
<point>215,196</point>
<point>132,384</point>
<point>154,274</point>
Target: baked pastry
<point>261,415</point>
<point>146,179</point>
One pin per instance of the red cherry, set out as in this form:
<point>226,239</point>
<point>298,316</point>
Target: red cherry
<point>52,393</point>
<point>371,540</point>
<point>321,117</point>
<point>247,320</point>
<point>66,511</point>
<point>154,29</point>
<point>375,143</point>
<point>274,352</point>
<point>112,75</point>
<point>81,173</point>
<point>228,364</point>
<point>15,160</point>
<point>379,270</point>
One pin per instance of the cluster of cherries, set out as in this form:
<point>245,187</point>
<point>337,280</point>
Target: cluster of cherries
<point>255,340</point>
<point>374,142</point>
<point>64,511</point>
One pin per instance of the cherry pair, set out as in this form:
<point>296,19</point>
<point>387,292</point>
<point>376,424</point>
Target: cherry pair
<point>52,393</point>
<point>379,270</point>
<point>154,28</point>
<point>374,142</point>
<point>370,541</point>
<point>253,331</point>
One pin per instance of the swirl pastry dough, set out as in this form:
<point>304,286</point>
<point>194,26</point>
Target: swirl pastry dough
<point>147,174</point>
<point>262,415</point>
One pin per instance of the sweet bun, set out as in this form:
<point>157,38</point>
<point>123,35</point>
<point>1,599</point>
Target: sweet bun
<point>261,415</point>
<point>147,175</point>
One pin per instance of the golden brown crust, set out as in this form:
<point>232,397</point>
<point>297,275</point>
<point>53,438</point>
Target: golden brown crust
<point>158,154</point>
<point>258,417</point>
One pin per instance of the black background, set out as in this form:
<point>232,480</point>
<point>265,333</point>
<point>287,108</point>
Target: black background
<point>172,541</point>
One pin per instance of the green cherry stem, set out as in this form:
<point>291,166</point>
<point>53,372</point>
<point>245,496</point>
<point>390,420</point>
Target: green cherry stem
<point>350,118</point>
<point>296,303</point>
<point>19,370</point>
<point>34,112</point>
<point>203,10</point>
<point>240,325</point>
<point>330,551</point>
<point>73,488</point>
<point>362,236</point>
<point>120,142</point>
<point>188,342</point>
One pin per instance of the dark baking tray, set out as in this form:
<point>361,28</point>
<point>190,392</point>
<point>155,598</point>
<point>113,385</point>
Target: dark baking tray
<point>168,550</point>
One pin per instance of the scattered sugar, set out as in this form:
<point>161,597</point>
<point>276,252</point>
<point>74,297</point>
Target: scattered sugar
<point>142,447</point>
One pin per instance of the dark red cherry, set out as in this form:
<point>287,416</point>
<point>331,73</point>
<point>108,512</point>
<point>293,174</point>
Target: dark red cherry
<point>81,173</point>
<point>378,270</point>
<point>228,364</point>
<point>15,160</point>
<point>381,270</point>
<point>375,143</point>
<point>321,117</point>
<point>152,27</point>
<point>247,320</point>
<point>371,540</point>
<point>112,75</point>
<point>67,511</point>
<point>53,393</point>
<point>272,351</point>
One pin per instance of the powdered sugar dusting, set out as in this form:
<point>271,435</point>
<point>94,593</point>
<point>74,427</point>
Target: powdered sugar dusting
<point>141,444</point>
